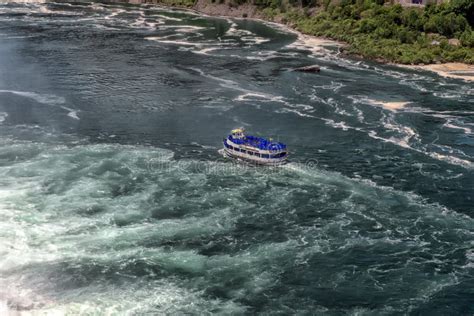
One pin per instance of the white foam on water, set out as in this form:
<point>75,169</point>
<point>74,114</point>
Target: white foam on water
<point>142,23</point>
<point>60,240</point>
<point>333,86</point>
<point>28,1</point>
<point>49,237</point>
<point>19,37</point>
<point>250,95</point>
<point>248,57</point>
<point>203,146</point>
<point>4,310</point>
<point>256,96</point>
<point>234,31</point>
<point>72,113</point>
<point>76,240</point>
<point>449,124</point>
<point>294,111</point>
<point>49,99</point>
<point>206,51</point>
<point>179,43</point>
<point>43,9</point>
<point>397,141</point>
<point>165,17</point>
<point>452,160</point>
<point>372,192</point>
<point>183,28</point>
<point>416,81</point>
<point>404,142</point>
<point>447,95</point>
<point>104,27</point>
<point>188,29</point>
<point>413,84</point>
<point>359,113</point>
<point>470,259</point>
<point>340,125</point>
<point>192,43</point>
<point>3,116</point>
<point>410,135</point>
<point>262,55</point>
<point>40,8</point>
<point>164,40</point>
<point>153,297</point>
<point>407,136</point>
<point>448,112</point>
<point>230,84</point>
<point>96,6</point>
<point>152,38</point>
<point>254,39</point>
<point>453,121</point>
<point>112,15</point>
<point>244,35</point>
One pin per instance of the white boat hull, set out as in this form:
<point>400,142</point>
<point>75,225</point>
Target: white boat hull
<point>252,159</point>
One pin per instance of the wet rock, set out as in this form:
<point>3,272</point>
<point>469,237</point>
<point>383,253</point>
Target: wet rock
<point>312,68</point>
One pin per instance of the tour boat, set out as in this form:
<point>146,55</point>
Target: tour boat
<point>254,149</point>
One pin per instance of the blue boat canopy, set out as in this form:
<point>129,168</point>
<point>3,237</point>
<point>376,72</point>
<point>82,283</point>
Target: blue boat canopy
<point>237,137</point>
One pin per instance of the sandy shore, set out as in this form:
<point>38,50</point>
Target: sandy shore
<point>313,43</point>
<point>448,70</point>
<point>317,41</point>
<point>389,105</point>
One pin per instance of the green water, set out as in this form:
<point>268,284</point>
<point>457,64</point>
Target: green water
<point>114,200</point>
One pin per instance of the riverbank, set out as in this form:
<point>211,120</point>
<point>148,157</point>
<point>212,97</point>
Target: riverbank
<point>293,22</point>
<point>448,70</point>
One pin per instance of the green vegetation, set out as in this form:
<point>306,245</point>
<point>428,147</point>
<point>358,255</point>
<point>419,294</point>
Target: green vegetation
<point>374,29</point>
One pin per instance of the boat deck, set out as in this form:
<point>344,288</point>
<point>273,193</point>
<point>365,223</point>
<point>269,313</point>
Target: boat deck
<point>258,142</point>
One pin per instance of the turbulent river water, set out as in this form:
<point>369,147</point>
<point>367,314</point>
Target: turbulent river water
<point>113,198</point>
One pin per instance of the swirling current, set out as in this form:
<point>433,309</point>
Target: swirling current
<point>114,200</point>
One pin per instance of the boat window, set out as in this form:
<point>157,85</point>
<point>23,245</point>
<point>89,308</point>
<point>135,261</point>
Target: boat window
<point>244,151</point>
<point>279,155</point>
<point>265,156</point>
<point>251,153</point>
